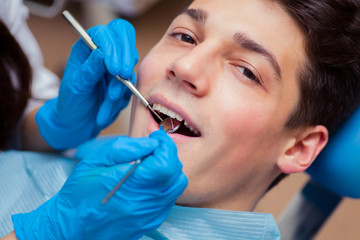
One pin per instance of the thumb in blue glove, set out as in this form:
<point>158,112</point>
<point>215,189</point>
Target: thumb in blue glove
<point>139,206</point>
<point>90,97</point>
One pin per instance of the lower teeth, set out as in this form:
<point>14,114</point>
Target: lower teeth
<point>172,125</point>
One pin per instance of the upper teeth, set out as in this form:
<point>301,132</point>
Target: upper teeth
<point>191,127</point>
<point>166,111</point>
<point>172,114</point>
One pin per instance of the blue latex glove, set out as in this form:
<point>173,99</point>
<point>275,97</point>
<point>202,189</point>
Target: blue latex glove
<point>338,166</point>
<point>88,147</point>
<point>139,206</point>
<point>90,97</point>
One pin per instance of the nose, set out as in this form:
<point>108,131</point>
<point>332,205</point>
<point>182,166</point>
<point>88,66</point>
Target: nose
<point>192,70</point>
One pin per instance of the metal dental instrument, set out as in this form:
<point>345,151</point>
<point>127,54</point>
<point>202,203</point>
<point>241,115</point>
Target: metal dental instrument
<point>169,125</point>
<point>109,195</point>
<point>87,39</point>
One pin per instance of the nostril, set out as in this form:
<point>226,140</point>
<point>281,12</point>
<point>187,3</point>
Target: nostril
<point>183,77</point>
<point>172,73</point>
<point>190,84</point>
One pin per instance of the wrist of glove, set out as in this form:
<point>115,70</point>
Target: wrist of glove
<point>34,225</point>
<point>60,134</point>
<point>139,206</point>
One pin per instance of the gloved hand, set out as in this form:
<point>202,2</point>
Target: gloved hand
<point>140,205</point>
<point>90,97</point>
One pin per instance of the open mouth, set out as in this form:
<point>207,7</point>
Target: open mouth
<point>185,128</point>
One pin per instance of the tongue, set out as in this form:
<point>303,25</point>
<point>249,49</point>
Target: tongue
<point>170,125</point>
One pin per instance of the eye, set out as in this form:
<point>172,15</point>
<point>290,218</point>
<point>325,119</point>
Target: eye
<point>248,73</point>
<point>184,38</point>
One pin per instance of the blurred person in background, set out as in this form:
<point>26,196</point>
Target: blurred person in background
<point>26,83</point>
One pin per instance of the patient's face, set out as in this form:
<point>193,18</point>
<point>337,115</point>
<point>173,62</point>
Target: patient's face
<point>228,68</point>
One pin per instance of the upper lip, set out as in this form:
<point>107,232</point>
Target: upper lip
<point>173,107</point>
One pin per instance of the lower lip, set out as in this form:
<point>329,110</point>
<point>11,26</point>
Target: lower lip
<point>177,138</point>
<point>152,124</point>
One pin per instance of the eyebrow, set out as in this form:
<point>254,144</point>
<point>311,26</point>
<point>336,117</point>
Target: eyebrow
<point>200,16</point>
<point>245,42</point>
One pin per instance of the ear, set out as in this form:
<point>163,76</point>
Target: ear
<point>302,149</point>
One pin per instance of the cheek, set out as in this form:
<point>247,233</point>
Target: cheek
<point>244,134</point>
<point>244,118</point>
<point>145,74</point>
<point>253,131</point>
<point>246,128</point>
<point>144,83</point>
<point>153,66</point>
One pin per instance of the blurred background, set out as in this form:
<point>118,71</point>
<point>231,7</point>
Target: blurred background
<point>151,18</point>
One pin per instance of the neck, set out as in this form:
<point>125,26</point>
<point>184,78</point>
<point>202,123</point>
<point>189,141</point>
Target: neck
<point>244,198</point>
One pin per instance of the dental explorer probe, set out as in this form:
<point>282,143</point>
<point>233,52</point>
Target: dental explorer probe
<point>87,39</point>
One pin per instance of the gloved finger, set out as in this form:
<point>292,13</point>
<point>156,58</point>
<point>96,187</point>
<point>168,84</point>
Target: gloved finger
<point>121,150</point>
<point>165,190</point>
<point>117,89</point>
<point>117,41</point>
<point>167,151</point>
<point>114,174</point>
<point>124,32</point>
<point>127,149</point>
<point>79,52</point>
<point>163,164</point>
<point>167,146</point>
<point>90,146</point>
<point>117,98</point>
<point>108,112</point>
<point>89,74</point>
<point>176,187</point>
<point>126,92</point>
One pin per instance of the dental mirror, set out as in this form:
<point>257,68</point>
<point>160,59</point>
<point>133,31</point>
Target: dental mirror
<point>170,125</point>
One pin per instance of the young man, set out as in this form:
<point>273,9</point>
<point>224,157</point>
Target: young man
<point>254,82</point>
<point>258,84</point>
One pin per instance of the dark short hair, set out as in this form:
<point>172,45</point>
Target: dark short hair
<point>329,81</point>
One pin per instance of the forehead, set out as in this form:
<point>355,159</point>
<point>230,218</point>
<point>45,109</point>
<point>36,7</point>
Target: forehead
<point>260,14</point>
<point>263,21</point>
